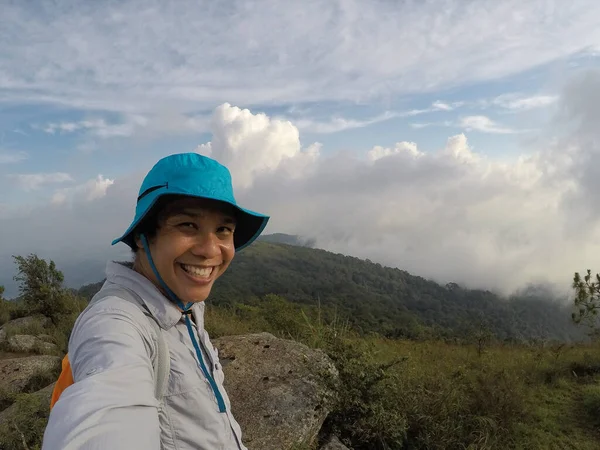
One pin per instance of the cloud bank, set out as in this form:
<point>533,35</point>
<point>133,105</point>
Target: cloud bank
<point>451,215</point>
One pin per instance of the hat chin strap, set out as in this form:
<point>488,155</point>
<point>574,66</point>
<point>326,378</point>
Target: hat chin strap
<point>188,324</point>
<point>169,292</point>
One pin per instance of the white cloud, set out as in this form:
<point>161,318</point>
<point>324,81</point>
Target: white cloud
<point>157,123</point>
<point>250,144</point>
<point>91,190</point>
<point>484,124</point>
<point>435,106</point>
<point>116,57</point>
<point>516,102</point>
<point>442,106</point>
<point>32,181</point>
<point>421,125</point>
<point>336,124</point>
<point>11,157</point>
<point>445,123</point>
<point>409,148</point>
<point>98,127</point>
<point>479,123</point>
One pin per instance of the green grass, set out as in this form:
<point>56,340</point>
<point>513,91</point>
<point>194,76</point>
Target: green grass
<point>510,397</point>
<point>552,421</point>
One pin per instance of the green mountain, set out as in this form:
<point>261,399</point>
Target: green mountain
<point>289,239</point>
<point>384,300</point>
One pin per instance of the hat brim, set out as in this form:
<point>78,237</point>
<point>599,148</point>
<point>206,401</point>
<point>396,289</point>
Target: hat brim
<point>249,226</point>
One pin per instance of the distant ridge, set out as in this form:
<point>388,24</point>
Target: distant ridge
<point>287,239</point>
<point>386,300</point>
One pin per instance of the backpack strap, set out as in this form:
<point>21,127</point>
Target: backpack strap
<point>161,360</point>
<point>162,363</point>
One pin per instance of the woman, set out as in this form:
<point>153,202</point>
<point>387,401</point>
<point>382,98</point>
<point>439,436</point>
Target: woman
<point>186,230</point>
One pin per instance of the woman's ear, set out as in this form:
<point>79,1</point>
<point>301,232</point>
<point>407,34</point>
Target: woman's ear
<point>138,241</point>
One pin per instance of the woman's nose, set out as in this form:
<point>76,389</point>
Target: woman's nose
<point>206,245</point>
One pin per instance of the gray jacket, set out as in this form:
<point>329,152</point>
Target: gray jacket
<point>112,403</point>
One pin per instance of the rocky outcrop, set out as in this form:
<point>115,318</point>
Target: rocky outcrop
<point>38,321</point>
<point>279,389</point>
<point>28,321</point>
<point>333,443</point>
<point>25,343</point>
<point>17,373</point>
<point>45,337</point>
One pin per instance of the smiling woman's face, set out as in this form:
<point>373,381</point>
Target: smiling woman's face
<point>192,247</point>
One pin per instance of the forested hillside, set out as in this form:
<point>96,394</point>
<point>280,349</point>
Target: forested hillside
<point>379,299</point>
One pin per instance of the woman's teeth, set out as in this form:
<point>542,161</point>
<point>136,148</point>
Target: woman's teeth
<point>197,271</point>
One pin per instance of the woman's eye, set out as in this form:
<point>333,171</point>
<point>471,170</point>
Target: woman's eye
<point>187,225</point>
<point>225,230</point>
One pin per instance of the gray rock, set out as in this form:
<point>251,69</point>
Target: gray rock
<point>24,343</point>
<point>43,321</point>
<point>46,348</point>
<point>278,389</point>
<point>45,337</point>
<point>333,443</point>
<point>17,373</point>
<point>24,323</point>
<point>21,343</point>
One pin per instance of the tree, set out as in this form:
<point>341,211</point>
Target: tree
<point>587,299</point>
<point>4,308</point>
<point>40,286</point>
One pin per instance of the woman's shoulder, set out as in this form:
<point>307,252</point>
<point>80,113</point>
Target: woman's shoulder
<point>112,311</point>
<point>115,299</point>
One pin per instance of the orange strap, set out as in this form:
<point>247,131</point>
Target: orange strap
<point>64,381</point>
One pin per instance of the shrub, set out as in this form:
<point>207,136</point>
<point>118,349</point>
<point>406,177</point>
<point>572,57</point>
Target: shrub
<point>591,403</point>
<point>40,287</point>
<point>366,413</point>
<point>7,398</point>
<point>5,308</point>
<point>26,429</point>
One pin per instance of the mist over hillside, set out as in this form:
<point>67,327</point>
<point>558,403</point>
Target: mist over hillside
<point>79,272</point>
<point>289,239</point>
<point>385,300</point>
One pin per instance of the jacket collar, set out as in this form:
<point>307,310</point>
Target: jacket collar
<point>164,310</point>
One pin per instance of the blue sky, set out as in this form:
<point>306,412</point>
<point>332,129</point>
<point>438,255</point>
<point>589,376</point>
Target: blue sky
<point>91,95</point>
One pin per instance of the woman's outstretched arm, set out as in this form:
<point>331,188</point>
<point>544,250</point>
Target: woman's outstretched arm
<point>111,405</point>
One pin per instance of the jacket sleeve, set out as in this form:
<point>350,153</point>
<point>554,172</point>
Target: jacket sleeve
<point>111,405</point>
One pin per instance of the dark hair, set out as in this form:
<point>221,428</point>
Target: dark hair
<point>153,220</point>
<point>164,208</point>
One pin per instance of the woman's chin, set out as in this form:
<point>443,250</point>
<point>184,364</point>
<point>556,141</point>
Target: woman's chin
<point>195,295</point>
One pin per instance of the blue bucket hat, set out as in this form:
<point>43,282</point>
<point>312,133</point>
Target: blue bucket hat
<point>193,175</point>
